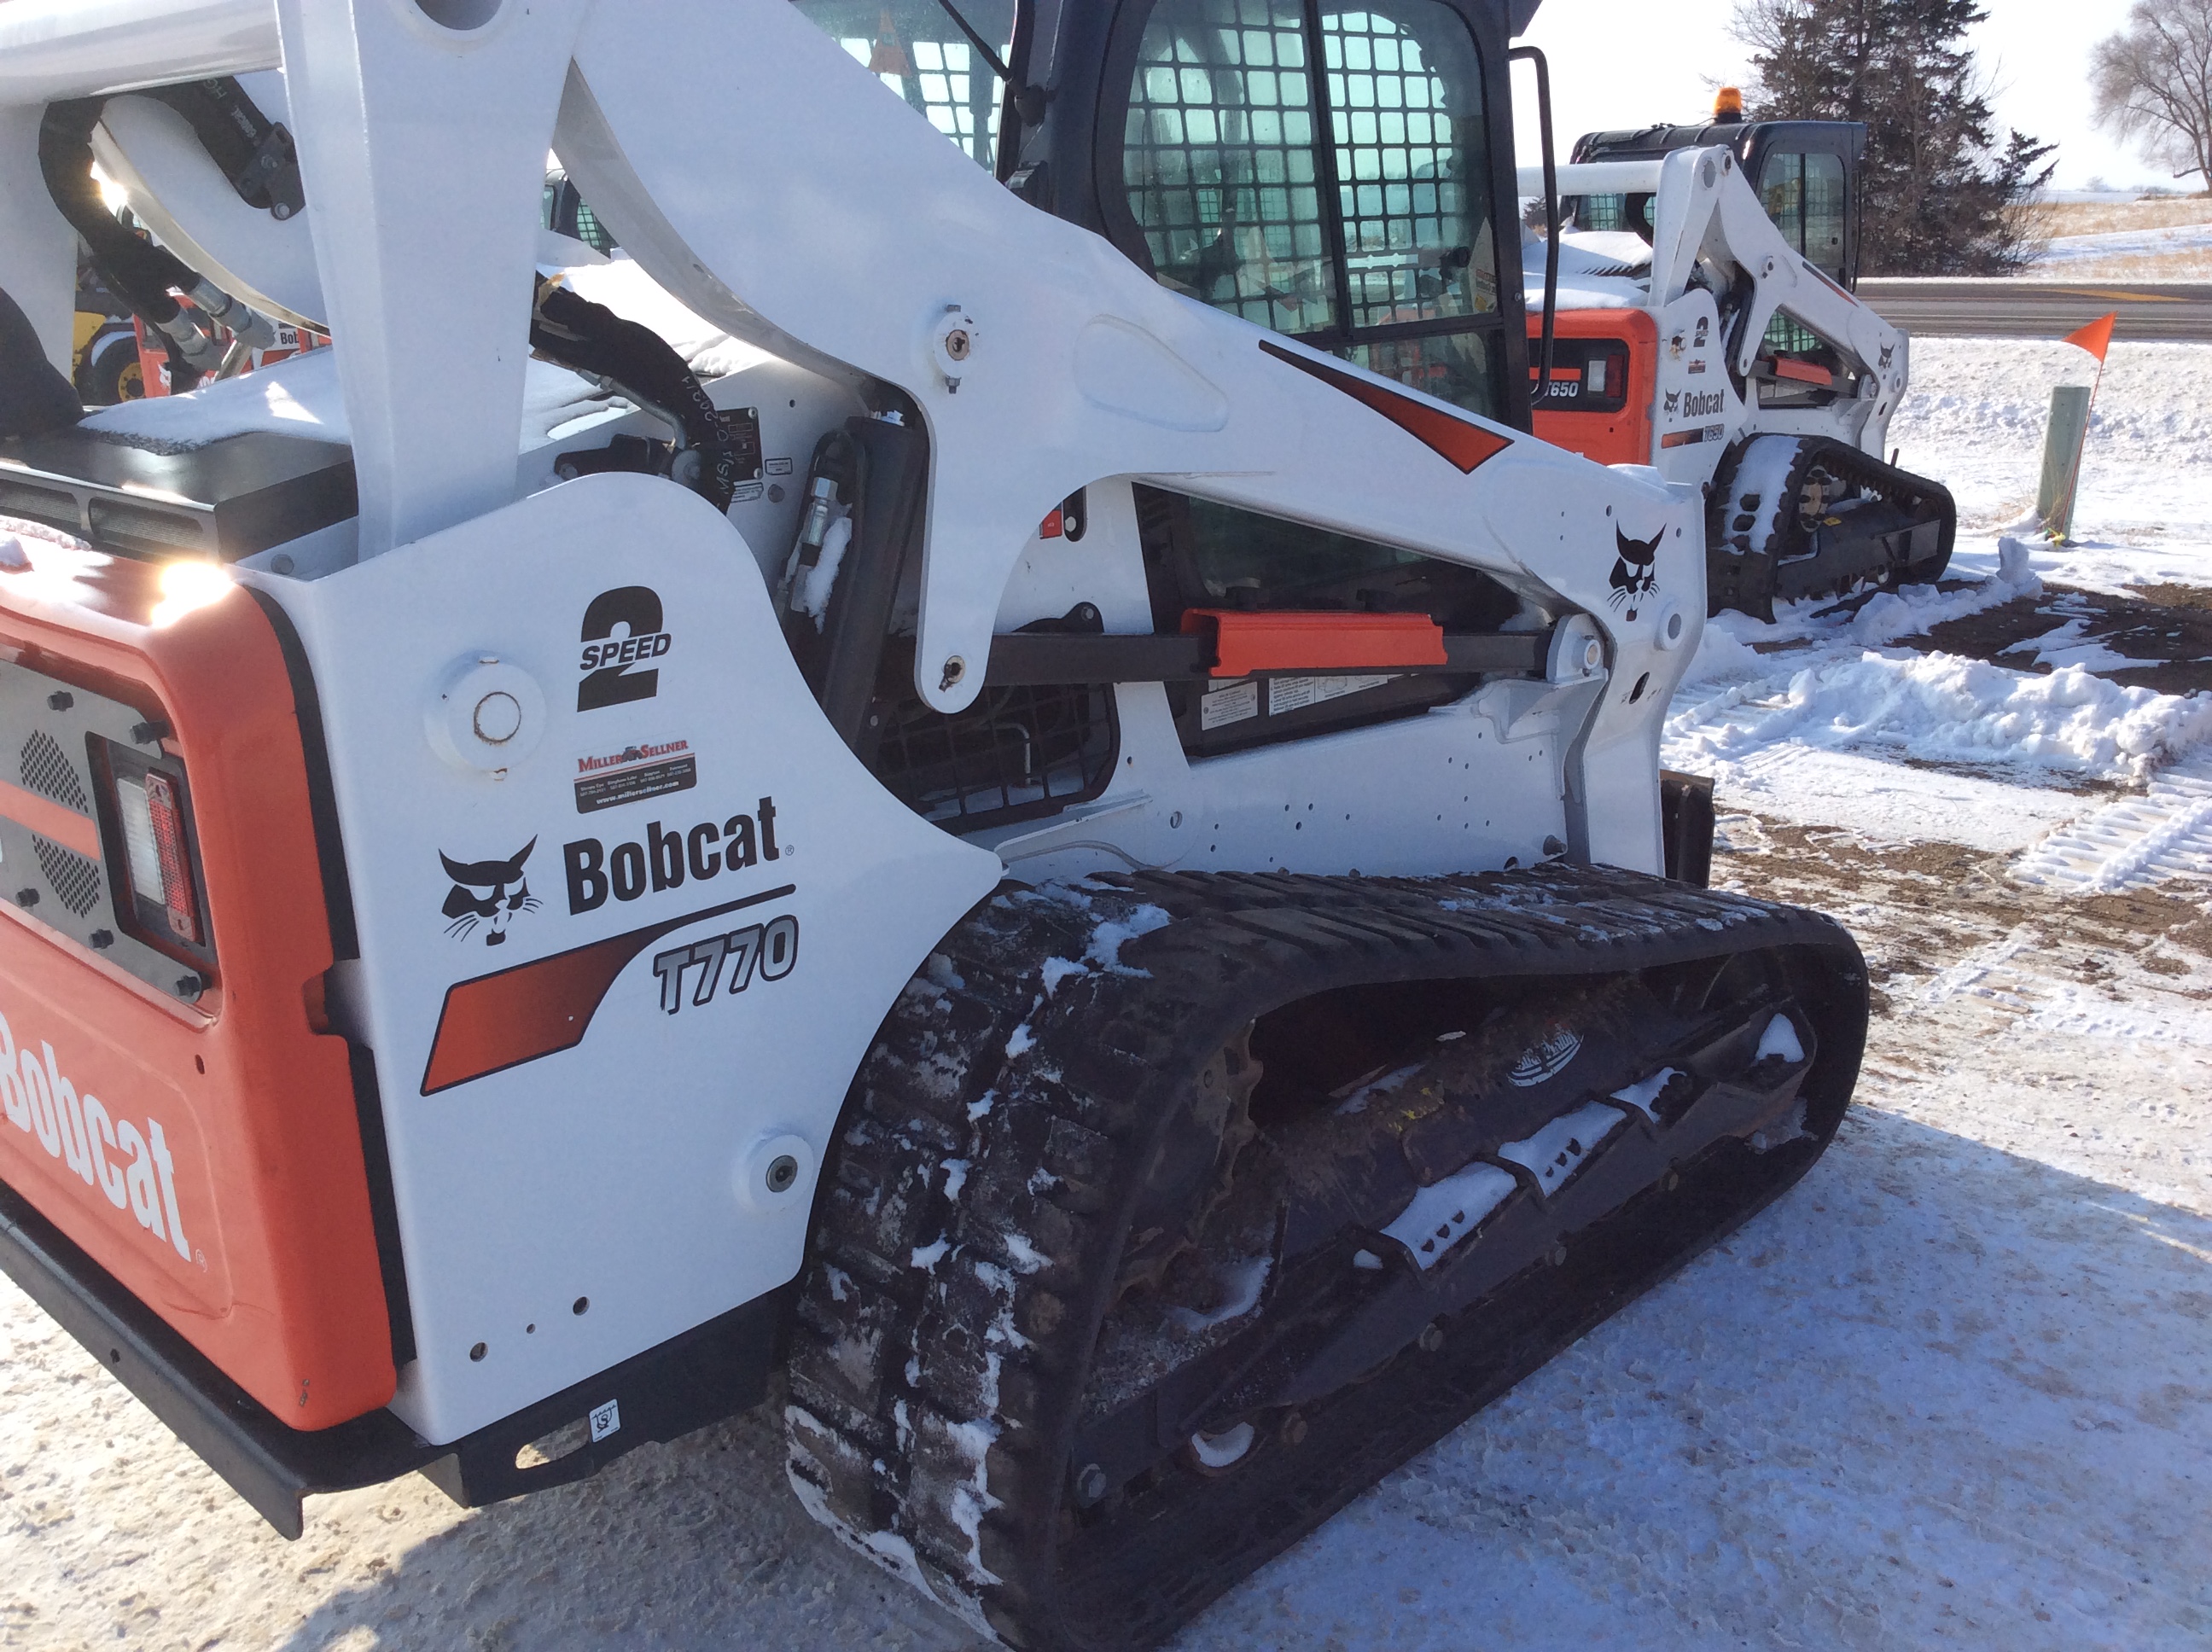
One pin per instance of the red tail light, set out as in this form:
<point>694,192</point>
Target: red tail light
<point>169,825</point>
<point>159,894</point>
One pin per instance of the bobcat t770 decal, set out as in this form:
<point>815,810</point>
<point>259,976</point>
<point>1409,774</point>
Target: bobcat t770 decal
<point>540,1008</point>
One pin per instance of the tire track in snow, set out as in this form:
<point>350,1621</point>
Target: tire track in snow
<point>2165,833</point>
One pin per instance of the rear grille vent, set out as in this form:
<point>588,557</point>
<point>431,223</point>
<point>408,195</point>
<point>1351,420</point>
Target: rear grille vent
<point>138,527</point>
<point>56,508</point>
<point>74,879</point>
<point>46,770</point>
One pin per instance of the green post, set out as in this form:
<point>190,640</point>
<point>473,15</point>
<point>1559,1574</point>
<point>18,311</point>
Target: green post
<point>2061,459</point>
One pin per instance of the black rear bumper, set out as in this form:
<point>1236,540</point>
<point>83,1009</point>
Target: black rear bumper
<point>706,1374</point>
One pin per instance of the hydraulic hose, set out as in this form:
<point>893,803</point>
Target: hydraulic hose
<point>255,154</point>
<point>141,273</point>
<point>590,339</point>
<point>34,396</point>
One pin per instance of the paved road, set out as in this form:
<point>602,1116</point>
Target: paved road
<point>2040,309</point>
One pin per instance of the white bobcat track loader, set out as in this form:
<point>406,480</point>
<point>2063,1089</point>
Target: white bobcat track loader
<point>1690,332</point>
<point>1089,875</point>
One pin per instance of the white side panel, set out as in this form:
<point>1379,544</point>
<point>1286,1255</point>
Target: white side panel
<point>1699,413</point>
<point>609,1172</point>
<point>37,249</point>
<point>1470,787</point>
<point>422,158</point>
<point>1105,568</point>
<point>56,49</point>
<point>1424,795</point>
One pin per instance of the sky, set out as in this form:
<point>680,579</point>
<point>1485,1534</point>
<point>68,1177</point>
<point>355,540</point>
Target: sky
<point>1629,63</point>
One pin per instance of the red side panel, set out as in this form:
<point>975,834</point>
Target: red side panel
<point>1622,438</point>
<point>207,1155</point>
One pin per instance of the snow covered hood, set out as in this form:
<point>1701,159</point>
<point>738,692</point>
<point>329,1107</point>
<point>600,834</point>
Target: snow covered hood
<point>1598,269</point>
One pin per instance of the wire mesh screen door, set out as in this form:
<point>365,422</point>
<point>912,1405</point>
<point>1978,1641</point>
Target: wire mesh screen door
<point>1376,243</point>
<point>917,51</point>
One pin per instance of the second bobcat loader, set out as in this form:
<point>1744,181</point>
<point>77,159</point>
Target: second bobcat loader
<point>1704,323</point>
<point>1060,861</point>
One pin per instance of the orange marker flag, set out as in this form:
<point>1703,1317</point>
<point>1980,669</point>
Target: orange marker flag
<point>2097,336</point>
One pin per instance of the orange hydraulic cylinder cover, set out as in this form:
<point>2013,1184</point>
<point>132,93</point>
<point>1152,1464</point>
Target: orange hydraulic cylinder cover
<point>1622,436</point>
<point>207,1154</point>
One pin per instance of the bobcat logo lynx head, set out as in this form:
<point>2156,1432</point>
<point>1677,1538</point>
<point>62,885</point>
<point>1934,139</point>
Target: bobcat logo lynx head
<point>1633,578</point>
<point>487,894</point>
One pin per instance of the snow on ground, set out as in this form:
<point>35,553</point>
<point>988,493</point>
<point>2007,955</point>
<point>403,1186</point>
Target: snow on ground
<point>1975,420</point>
<point>1824,717</point>
<point>1955,1389</point>
<point>2064,255</point>
<point>2163,238</point>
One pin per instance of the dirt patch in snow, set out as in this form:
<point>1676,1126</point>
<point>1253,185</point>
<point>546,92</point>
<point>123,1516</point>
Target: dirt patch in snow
<point>1912,903</point>
<point>2160,638</point>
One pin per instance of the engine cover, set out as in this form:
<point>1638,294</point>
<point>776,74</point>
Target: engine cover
<point>172,1099</point>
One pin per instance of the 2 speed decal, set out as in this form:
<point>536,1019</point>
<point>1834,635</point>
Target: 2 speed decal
<point>769,949</point>
<point>613,665</point>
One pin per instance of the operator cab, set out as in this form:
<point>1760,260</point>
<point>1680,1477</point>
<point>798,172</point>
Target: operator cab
<point>1342,175</point>
<point>1806,172</point>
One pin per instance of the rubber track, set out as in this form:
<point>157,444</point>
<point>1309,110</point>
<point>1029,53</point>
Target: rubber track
<point>977,1197</point>
<point>1745,575</point>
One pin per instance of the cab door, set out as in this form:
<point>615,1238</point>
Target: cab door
<point>1329,172</point>
<point>1808,178</point>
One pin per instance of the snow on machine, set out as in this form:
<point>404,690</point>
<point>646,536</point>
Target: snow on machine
<point>1060,860</point>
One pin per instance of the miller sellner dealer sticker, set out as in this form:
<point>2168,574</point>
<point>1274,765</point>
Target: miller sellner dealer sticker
<point>649,769</point>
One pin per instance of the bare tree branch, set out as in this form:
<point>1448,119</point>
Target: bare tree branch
<point>2152,83</point>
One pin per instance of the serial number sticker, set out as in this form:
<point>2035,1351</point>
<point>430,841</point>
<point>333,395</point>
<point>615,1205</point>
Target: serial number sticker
<point>1297,693</point>
<point>779,467</point>
<point>1230,705</point>
<point>744,491</point>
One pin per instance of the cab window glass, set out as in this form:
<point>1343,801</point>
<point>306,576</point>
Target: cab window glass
<point>1629,212</point>
<point>1782,192</point>
<point>1201,553</point>
<point>1221,165</point>
<point>1325,175</point>
<point>1459,368</point>
<point>1824,212</point>
<point>1406,111</point>
<point>918,51</point>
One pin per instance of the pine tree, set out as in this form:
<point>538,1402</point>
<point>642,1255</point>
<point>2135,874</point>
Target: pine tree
<point>1937,190</point>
